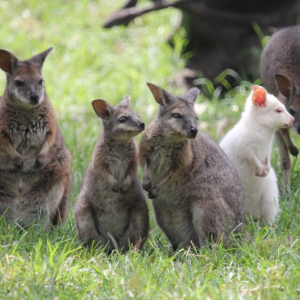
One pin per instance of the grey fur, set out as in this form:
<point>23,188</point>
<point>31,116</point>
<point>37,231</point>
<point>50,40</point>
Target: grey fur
<point>111,209</point>
<point>35,165</point>
<point>196,192</point>
<point>280,73</point>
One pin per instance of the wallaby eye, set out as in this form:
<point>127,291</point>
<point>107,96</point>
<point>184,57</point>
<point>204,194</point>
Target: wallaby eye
<point>176,116</point>
<point>41,81</point>
<point>123,119</point>
<point>279,110</point>
<point>18,83</point>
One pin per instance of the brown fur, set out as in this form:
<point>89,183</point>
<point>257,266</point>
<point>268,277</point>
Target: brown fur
<point>35,165</point>
<point>280,73</point>
<point>111,209</point>
<point>197,195</point>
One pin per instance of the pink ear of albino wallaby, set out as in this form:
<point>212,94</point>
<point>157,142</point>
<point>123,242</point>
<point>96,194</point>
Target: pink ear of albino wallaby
<point>259,96</point>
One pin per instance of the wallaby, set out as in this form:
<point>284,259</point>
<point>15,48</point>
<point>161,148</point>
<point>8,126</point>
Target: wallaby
<point>111,209</point>
<point>35,165</point>
<point>196,193</point>
<point>248,145</point>
<point>280,73</point>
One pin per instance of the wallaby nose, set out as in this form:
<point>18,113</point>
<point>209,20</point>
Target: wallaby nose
<point>142,126</point>
<point>193,131</point>
<point>34,98</point>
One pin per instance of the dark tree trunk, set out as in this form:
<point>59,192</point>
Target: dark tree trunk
<point>220,32</point>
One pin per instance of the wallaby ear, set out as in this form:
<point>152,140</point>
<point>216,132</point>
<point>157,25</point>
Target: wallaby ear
<point>39,59</point>
<point>125,102</point>
<point>161,96</point>
<point>7,61</point>
<point>192,94</point>
<point>157,92</point>
<point>101,108</point>
<point>259,96</point>
<point>284,85</point>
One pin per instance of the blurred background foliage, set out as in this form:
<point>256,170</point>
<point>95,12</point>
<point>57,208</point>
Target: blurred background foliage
<point>89,62</point>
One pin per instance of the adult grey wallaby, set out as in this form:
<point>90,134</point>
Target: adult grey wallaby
<point>280,73</point>
<point>111,208</point>
<point>196,193</point>
<point>35,165</point>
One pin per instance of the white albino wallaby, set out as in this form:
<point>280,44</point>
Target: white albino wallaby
<point>249,144</point>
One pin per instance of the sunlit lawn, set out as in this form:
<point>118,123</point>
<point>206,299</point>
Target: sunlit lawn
<point>87,63</point>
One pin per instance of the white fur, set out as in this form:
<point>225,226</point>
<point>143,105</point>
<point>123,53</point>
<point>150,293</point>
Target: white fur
<point>248,146</point>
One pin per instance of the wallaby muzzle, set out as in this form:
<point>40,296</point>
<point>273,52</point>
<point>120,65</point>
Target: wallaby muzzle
<point>192,133</point>
<point>34,98</point>
<point>142,126</point>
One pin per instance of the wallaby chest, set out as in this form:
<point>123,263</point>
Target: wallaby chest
<point>255,142</point>
<point>119,161</point>
<point>161,159</point>
<point>111,208</point>
<point>27,135</point>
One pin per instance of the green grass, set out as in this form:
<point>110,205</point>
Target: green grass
<point>87,63</point>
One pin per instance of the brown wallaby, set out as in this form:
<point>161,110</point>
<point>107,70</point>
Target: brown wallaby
<point>35,165</point>
<point>280,73</point>
<point>111,209</point>
<point>197,195</point>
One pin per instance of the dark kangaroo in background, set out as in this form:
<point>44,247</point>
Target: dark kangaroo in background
<point>111,208</point>
<point>280,73</point>
<point>196,193</point>
<point>35,165</point>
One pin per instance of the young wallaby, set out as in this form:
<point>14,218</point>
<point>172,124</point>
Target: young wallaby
<point>111,208</point>
<point>196,193</point>
<point>35,165</point>
<point>249,145</point>
<point>280,73</point>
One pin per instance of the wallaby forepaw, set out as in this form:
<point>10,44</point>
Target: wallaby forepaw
<point>258,172</point>
<point>265,171</point>
<point>294,151</point>
<point>18,162</point>
<point>38,164</point>
<point>263,174</point>
<point>40,161</point>
<point>125,185</point>
<point>146,184</point>
<point>124,189</point>
<point>152,192</point>
<point>115,187</point>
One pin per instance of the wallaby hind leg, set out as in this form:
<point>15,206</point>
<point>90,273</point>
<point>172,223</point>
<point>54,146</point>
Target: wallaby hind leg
<point>285,161</point>
<point>137,229</point>
<point>88,231</point>
<point>270,205</point>
<point>61,214</point>
<point>198,220</point>
<point>213,227</point>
